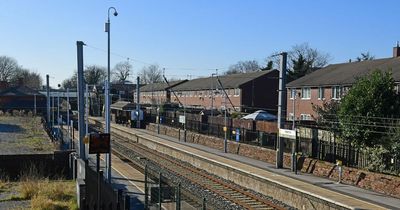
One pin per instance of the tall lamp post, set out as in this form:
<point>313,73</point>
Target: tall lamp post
<point>107,90</point>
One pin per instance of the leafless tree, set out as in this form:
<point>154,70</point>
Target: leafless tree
<point>151,74</point>
<point>27,78</point>
<point>8,66</point>
<point>95,75</point>
<point>243,67</point>
<point>365,57</point>
<point>70,82</point>
<point>122,71</point>
<point>312,56</point>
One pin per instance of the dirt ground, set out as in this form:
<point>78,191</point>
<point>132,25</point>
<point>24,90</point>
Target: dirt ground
<point>23,135</point>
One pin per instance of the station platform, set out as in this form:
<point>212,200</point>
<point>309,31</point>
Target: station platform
<point>348,196</point>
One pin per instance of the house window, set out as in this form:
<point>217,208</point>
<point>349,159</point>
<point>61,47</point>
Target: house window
<point>305,117</point>
<point>291,115</point>
<point>321,91</point>
<point>306,93</point>
<point>229,92</point>
<point>336,92</point>
<point>292,93</point>
<point>236,92</point>
<point>345,90</point>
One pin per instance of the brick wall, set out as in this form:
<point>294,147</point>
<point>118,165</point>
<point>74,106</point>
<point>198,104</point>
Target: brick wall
<point>381,183</point>
<point>304,106</point>
<point>194,98</point>
<point>157,97</point>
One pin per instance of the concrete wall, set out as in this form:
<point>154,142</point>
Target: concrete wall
<point>47,165</point>
<point>262,185</point>
<point>369,180</point>
<point>246,150</point>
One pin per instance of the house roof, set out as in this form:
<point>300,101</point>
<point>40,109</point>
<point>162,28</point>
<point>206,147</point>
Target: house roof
<point>347,73</point>
<point>228,81</point>
<point>160,86</point>
<point>19,91</point>
<point>123,86</point>
<point>123,105</point>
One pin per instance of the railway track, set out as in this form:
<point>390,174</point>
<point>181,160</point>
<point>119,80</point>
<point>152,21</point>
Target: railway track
<point>227,191</point>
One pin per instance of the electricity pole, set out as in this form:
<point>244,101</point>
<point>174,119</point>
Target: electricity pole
<point>81,106</point>
<point>281,108</point>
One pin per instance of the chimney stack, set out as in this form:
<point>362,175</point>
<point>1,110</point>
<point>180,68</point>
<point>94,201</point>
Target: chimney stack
<point>396,51</point>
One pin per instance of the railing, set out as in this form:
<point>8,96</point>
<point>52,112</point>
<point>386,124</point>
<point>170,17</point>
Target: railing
<point>241,135</point>
<point>358,158</point>
<point>322,150</point>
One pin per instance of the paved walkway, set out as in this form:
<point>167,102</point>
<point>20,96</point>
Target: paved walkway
<point>324,183</point>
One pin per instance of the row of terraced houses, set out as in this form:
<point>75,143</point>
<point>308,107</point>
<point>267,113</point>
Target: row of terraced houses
<point>247,92</point>
<point>259,90</point>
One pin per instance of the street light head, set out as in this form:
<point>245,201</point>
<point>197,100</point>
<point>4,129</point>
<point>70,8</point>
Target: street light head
<point>115,12</point>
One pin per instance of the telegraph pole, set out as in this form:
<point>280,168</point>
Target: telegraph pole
<point>281,108</point>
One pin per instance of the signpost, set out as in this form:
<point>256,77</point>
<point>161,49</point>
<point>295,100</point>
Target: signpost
<point>291,134</point>
<point>99,143</point>
<point>286,133</point>
<point>182,119</point>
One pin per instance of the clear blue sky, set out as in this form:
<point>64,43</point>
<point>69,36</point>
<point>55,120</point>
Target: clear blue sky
<point>193,36</point>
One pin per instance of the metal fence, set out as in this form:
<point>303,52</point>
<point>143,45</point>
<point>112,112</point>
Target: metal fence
<point>322,150</point>
<point>242,135</point>
<point>162,193</point>
<point>357,157</point>
<point>110,198</point>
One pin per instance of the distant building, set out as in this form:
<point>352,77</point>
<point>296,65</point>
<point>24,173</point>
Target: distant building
<point>246,92</point>
<point>158,93</point>
<point>122,91</point>
<point>22,98</point>
<point>331,83</point>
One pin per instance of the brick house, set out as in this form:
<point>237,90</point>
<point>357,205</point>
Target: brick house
<point>122,90</point>
<point>157,93</point>
<point>331,83</point>
<point>247,91</point>
<point>22,98</point>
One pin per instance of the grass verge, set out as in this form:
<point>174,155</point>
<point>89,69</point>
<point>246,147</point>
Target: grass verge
<point>41,193</point>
